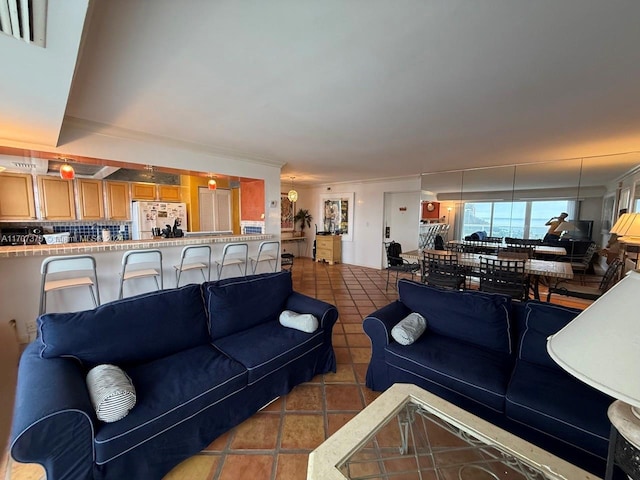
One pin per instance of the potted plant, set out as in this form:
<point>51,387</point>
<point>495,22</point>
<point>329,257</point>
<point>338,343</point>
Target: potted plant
<point>304,217</point>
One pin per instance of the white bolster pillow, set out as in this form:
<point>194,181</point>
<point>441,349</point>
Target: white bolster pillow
<point>409,329</point>
<point>111,391</point>
<point>304,322</point>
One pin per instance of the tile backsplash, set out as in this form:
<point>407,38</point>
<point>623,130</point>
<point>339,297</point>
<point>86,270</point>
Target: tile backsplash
<point>80,231</point>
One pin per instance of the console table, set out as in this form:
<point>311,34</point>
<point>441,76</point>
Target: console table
<point>329,248</point>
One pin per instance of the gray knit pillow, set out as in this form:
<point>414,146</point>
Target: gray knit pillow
<point>111,391</point>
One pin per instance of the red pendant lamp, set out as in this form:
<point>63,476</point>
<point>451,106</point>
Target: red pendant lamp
<point>67,172</point>
<point>212,184</point>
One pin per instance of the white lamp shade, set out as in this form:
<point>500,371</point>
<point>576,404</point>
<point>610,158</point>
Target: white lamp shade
<point>565,227</point>
<point>601,346</point>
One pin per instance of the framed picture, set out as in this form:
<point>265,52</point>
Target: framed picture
<point>336,214</point>
<point>625,195</point>
<point>287,208</point>
<point>608,205</point>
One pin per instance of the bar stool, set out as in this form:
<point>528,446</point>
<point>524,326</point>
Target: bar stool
<point>74,264</point>
<point>153,259</point>
<point>267,252</point>
<point>194,258</point>
<point>234,254</point>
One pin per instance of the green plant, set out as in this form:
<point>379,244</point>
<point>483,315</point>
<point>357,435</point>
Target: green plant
<point>304,217</point>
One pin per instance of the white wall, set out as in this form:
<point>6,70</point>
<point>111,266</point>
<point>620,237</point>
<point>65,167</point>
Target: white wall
<point>366,248</point>
<point>402,216</point>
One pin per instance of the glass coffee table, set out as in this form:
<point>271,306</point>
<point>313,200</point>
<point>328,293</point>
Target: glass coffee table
<point>408,433</point>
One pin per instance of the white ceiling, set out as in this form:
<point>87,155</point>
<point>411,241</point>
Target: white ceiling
<point>362,89</point>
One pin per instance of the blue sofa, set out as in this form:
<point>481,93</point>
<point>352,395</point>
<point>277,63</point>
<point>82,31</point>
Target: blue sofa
<point>488,355</point>
<point>202,358</point>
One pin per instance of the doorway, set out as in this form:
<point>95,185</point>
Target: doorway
<point>401,220</point>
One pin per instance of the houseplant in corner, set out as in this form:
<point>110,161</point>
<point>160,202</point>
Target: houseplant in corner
<point>304,217</point>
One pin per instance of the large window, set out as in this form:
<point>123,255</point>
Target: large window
<point>513,219</point>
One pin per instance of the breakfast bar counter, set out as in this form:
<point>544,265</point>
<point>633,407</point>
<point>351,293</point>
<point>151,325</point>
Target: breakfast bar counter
<point>20,273</point>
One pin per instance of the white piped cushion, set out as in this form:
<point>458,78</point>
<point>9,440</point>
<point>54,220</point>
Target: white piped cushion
<point>300,321</point>
<point>409,329</point>
<point>111,391</point>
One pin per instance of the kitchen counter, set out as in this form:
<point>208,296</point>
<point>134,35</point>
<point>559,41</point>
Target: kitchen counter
<point>91,247</point>
<point>20,273</point>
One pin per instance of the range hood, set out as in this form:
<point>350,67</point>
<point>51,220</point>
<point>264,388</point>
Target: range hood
<point>12,164</point>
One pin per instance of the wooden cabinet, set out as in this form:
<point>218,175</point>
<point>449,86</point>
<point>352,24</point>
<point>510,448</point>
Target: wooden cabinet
<point>16,197</point>
<point>169,193</point>
<point>143,191</point>
<point>56,198</point>
<point>118,201</point>
<point>91,198</point>
<point>329,248</point>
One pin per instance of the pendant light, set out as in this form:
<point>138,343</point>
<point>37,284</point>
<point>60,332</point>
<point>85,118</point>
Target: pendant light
<point>292,195</point>
<point>67,172</point>
<point>212,184</point>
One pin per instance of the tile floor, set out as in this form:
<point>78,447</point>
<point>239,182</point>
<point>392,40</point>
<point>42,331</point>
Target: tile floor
<point>275,443</point>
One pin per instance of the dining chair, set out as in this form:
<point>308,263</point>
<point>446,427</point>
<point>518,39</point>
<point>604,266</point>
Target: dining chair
<point>506,276</point>
<point>395,263</point>
<point>443,270</point>
<point>515,251</point>
<point>610,277</point>
<point>74,270</point>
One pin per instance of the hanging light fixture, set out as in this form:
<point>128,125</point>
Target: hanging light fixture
<point>292,195</point>
<point>67,172</point>
<point>212,184</point>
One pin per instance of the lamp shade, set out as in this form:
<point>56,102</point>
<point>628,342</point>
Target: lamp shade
<point>292,195</point>
<point>565,227</point>
<point>67,172</point>
<point>212,184</point>
<point>633,226</point>
<point>621,224</point>
<point>601,346</point>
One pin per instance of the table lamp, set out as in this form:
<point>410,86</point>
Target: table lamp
<point>601,347</point>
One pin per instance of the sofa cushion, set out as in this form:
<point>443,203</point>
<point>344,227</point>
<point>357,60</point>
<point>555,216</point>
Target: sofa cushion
<point>131,330</point>
<point>170,390</point>
<point>558,404</point>
<point>542,320</point>
<point>479,318</point>
<point>268,347</point>
<point>237,304</point>
<point>476,373</point>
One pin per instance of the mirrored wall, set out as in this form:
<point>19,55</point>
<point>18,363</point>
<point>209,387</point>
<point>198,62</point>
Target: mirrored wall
<point>517,200</point>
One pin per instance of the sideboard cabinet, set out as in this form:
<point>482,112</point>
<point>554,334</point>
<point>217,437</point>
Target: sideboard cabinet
<point>329,248</point>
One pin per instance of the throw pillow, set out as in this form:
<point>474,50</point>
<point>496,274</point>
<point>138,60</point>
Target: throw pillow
<point>111,391</point>
<point>304,322</point>
<point>409,329</point>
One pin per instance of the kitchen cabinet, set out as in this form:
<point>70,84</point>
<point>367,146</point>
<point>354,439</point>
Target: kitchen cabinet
<point>56,198</point>
<point>143,191</point>
<point>118,201</point>
<point>329,248</point>
<point>91,199</point>
<point>16,197</point>
<point>169,193</point>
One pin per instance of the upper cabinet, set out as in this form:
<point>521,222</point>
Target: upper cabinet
<point>16,197</point>
<point>56,198</point>
<point>90,194</point>
<point>118,201</point>
<point>169,193</point>
<point>143,191</point>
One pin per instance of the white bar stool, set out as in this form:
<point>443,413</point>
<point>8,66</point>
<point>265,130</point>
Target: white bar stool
<point>234,254</point>
<point>194,258</point>
<point>64,264</point>
<point>153,261</point>
<point>267,252</point>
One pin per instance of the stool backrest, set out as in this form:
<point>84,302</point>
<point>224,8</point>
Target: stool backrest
<point>67,264</point>
<point>194,251</point>
<point>235,249</point>
<point>141,256</point>
<point>270,248</point>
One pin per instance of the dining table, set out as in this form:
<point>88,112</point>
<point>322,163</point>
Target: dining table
<point>545,270</point>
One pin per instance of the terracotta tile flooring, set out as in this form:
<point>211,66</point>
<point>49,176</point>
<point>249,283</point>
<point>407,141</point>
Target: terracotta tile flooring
<point>275,443</point>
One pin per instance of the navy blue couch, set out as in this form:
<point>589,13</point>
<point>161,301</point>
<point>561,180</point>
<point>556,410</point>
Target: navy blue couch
<point>202,358</point>
<point>488,355</point>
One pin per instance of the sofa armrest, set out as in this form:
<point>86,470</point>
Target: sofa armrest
<point>378,327</point>
<point>326,313</point>
<point>53,420</point>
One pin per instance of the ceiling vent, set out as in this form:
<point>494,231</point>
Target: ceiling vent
<point>25,20</point>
